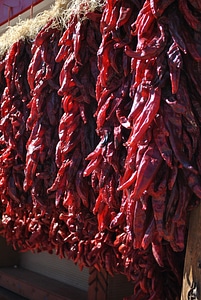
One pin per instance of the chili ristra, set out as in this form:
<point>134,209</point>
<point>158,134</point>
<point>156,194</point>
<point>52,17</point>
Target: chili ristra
<point>100,140</point>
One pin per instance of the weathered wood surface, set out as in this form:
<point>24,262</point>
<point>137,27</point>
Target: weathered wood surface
<point>103,286</point>
<point>98,284</point>
<point>33,286</point>
<point>191,289</point>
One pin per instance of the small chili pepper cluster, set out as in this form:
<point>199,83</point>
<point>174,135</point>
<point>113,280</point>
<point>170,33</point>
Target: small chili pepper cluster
<point>100,140</point>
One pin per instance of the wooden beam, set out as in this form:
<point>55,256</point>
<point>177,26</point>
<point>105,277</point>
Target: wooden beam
<point>32,286</point>
<point>192,268</point>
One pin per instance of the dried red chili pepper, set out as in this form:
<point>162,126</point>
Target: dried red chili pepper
<point>189,16</point>
<point>110,170</point>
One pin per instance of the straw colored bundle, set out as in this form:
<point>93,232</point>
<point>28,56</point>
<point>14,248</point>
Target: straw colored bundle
<point>60,12</point>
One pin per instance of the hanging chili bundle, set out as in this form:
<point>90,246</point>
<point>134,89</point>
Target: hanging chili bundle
<point>100,140</point>
<point>77,137</point>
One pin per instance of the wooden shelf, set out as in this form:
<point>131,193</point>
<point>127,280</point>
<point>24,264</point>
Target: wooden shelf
<point>34,286</point>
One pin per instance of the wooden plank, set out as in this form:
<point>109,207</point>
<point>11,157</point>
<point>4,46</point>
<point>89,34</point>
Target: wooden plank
<point>98,284</point>
<point>192,267</point>
<point>8,295</point>
<point>35,286</point>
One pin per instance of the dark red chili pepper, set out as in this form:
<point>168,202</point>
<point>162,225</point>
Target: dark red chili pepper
<point>177,146</point>
<point>151,162</point>
<point>175,65</point>
<point>158,7</point>
<point>190,18</point>
<point>149,235</point>
<point>145,118</point>
<point>196,4</point>
<point>44,33</point>
<point>124,14</point>
<point>138,104</point>
<point>138,224</point>
<point>152,49</point>
<point>105,176</point>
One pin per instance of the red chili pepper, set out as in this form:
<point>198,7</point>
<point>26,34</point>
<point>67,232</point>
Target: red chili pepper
<point>145,118</point>
<point>92,166</point>
<point>139,219</point>
<point>106,16</point>
<point>177,143</point>
<point>138,104</point>
<point>2,64</point>
<point>158,205</point>
<point>113,17</point>
<point>161,139</point>
<point>196,4</point>
<point>125,13</point>
<point>147,170</point>
<point>152,49</point>
<point>34,66</point>
<point>190,18</point>
<point>191,46</point>
<point>149,235</point>
<point>175,28</point>
<point>117,220</point>
<point>44,33</point>
<point>175,65</point>
<point>101,116</point>
<point>158,7</point>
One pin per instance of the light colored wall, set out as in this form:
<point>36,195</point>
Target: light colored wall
<point>44,5</point>
<point>52,266</point>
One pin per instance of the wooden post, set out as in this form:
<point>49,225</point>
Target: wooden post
<point>192,268</point>
<point>31,11</point>
<point>103,286</point>
<point>98,284</point>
